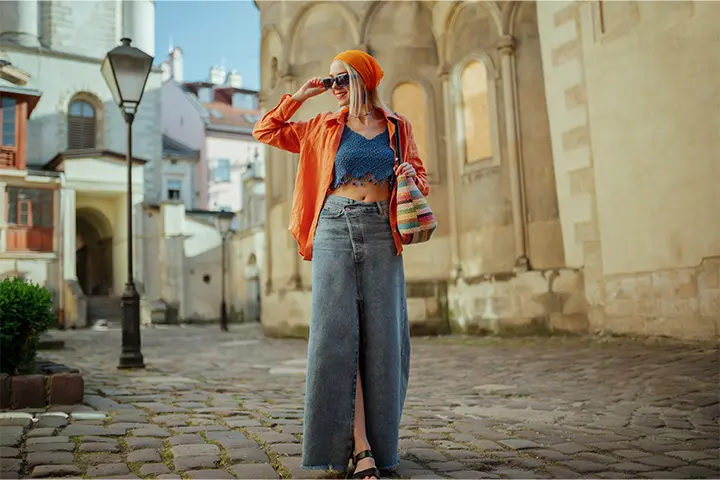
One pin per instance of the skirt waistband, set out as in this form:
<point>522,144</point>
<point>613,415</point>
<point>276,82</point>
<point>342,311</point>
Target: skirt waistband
<point>342,202</point>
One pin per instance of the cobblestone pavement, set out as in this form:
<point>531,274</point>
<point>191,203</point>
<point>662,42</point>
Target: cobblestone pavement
<point>213,405</point>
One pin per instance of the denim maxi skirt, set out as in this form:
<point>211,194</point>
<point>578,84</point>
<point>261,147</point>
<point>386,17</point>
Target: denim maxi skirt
<point>359,317</point>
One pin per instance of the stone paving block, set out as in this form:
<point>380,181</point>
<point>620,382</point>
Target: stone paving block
<point>287,449</point>
<point>427,455</point>
<point>551,455</point>
<point>151,431</point>
<point>107,470</point>
<point>630,467</point>
<point>15,419</point>
<point>49,458</point>
<point>584,466</point>
<point>208,474</point>
<point>557,472</point>
<point>516,473</point>
<point>631,454</point>
<point>40,432</point>
<point>195,450</point>
<point>519,444</point>
<point>569,448</point>
<point>695,471</point>
<point>186,440</point>
<point>247,455</point>
<point>56,439</point>
<point>467,474</point>
<point>99,447</point>
<point>52,420</point>
<point>10,465</point>
<point>661,474</point>
<point>255,471</point>
<point>76,430</point>
<point>243,422</point>
<point>101,458</point>
<point>45,471</point>
<point>446,466</point>
<point>200,428</point>
<point>137,443</point>
<point>51,447</point>
<point>661,461</point>
<point>144,455</point>
<point>157,407</point>
<point>150,469</point>
<point>9,452</point>
<point>275,437</point>
<point>188,463</point>
<point>93,439</point>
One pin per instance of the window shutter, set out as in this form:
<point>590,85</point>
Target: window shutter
<point>81,132</point>
<point>24,210</point>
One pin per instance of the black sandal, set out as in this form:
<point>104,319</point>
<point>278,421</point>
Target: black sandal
<point>368,472</point>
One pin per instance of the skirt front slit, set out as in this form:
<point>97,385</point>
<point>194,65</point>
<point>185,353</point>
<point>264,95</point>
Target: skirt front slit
<point>358,318</point>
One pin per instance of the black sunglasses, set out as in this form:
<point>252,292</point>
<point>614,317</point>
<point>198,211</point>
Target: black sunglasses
<point>342,80</point>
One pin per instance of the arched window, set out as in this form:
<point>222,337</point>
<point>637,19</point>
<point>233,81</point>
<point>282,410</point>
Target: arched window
<point>476,112</point>
<point>409,100</point>
<point>82,125</point>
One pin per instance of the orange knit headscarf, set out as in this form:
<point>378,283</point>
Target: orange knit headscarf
<point>368,68</point>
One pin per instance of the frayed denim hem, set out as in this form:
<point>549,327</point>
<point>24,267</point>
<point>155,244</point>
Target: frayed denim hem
<point>331,468</point>
<point>327,468</point>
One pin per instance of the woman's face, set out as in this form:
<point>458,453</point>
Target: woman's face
<point>342,94</point>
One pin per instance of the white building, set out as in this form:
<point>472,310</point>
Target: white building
<point>67,185</point>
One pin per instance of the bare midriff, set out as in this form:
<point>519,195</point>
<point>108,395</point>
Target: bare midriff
<point>370,192</point>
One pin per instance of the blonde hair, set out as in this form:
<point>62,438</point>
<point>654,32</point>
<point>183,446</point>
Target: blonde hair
<point>359,95</point>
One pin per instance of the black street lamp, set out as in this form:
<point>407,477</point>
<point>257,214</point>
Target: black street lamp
<point>126,70</point>
<point>223,221</point>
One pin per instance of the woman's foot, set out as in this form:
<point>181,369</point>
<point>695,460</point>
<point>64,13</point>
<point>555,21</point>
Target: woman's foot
<point>365,466</point>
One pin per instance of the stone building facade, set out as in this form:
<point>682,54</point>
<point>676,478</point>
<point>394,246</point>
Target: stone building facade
<point>573,192</point>
<point>76,134</point>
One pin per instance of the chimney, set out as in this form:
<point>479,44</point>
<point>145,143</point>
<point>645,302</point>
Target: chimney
<point>177,65</point>
<point>217,75</point>
<point>166,71</point>
<point>234,79</point>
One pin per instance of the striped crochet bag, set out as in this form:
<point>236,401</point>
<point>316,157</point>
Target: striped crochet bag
<point>416,222</point>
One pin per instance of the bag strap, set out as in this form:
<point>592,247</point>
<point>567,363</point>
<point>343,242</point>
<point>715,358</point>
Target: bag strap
<point>398,146</point>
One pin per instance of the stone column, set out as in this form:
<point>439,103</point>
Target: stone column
<point>3,225</point>
<point>26,22</point>
<point>506,47</point>
<point>172,255</point>
<point>295,280</point>
<point>453,172</point>
<point>262,101</point>
<point>69,233</point>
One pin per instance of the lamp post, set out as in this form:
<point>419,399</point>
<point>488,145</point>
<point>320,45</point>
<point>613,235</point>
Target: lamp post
<point>223,221</point>
<point>126,70</point>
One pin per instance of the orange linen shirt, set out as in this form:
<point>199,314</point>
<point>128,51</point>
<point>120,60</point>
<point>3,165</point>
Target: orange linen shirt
<point>317,141</point>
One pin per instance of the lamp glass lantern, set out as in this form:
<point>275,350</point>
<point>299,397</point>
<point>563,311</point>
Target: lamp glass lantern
<point>223,222</point>
<point>126,70</point>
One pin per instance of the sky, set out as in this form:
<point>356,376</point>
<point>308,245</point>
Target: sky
<point>210,32</point>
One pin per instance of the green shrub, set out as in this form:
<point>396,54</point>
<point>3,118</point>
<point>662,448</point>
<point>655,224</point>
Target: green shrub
<point>26,311</point>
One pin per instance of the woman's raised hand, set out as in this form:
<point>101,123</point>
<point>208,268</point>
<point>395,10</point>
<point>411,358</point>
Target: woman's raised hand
<point>312,87</point>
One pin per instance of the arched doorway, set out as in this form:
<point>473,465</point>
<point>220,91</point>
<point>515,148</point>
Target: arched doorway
<point>94,256</point>
<point>252,290</point>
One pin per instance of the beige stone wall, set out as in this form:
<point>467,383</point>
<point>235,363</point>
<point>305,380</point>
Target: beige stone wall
<point>634,118</point>
<point>596,174</point>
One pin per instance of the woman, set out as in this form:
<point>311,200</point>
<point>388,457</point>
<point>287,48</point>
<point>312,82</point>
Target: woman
<point>343,218</point>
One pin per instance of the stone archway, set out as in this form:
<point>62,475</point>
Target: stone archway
<point>94,255</point>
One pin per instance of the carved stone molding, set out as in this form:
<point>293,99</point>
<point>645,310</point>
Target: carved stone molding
<point>506,45</point>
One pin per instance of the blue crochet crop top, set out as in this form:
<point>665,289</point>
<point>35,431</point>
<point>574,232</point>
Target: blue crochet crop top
<point>359,160</point>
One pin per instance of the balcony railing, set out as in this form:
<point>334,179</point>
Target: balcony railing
<point>29,239</point>
<point>8,157</point>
